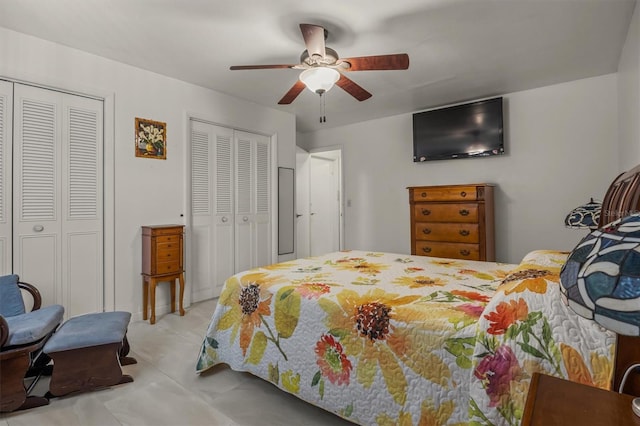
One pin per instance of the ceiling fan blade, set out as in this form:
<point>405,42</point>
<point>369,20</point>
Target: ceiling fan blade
<point>398,61</point>
<point>314,39</point>
<point>260,67</point>
<point>293,93</point>
<point>352,88</point>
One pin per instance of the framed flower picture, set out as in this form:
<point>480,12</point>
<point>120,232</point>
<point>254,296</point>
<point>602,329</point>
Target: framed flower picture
<point>151,139</point>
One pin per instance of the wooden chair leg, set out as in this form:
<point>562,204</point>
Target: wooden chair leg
<point>12,391</point>
<point>13,394</point>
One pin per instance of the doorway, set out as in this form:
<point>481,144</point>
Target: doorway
<point>319,216</point>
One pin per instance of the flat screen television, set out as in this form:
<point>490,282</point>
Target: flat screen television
<point>462,131</point>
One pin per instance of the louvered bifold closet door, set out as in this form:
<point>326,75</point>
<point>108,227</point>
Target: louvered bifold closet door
<point>212,208</point>
<point>6,132</point>
<point>57,197</point>
<point>82,209</point>
<point>252,188</point>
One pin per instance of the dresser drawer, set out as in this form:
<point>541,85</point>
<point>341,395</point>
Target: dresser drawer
<point>164,254</point>
<point>449,232</point>
<point>458,193</point>
<point>168,267</point>
<point>450,250</point>
<point>172,245</point>
<point>160,231</point>
<point>446,212</point>
<point>167,239</point>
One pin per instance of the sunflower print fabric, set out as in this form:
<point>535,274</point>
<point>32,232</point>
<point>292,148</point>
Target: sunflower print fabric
<point>388,339</point>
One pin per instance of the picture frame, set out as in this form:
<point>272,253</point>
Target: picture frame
<point>150,139</point>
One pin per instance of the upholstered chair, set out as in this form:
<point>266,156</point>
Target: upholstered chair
<point>22,336</point>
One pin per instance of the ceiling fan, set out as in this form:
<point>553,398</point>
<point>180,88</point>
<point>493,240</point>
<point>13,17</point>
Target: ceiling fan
<point>322,67</point>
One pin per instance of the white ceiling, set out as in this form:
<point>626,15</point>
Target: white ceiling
<point>459,49</point>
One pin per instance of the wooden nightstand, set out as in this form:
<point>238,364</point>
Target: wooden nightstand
<point>162,260</point>
<point>553,401</point>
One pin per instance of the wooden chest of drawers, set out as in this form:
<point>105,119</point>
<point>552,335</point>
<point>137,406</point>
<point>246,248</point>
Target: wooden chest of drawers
<point>162,260</point>
<point>162,249</point>
<point>453,221</point>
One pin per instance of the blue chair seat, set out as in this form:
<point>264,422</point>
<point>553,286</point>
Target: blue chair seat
<point>33,326</point>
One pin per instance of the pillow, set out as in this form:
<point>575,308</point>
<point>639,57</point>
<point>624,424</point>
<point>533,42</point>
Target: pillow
<point>11,302</point>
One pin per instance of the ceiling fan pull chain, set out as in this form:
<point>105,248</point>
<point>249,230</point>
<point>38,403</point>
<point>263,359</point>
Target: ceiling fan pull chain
<point>323,117</point>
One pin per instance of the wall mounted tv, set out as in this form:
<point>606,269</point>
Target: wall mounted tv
<point>462,131</point>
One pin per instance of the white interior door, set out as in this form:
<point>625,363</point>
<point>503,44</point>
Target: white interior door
<point>57,197</point>
<point>302,203</point>
<point>324,204</point>
<point>6,132</point>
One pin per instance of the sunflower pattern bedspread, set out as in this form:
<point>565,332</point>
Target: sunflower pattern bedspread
<point>388,339</point>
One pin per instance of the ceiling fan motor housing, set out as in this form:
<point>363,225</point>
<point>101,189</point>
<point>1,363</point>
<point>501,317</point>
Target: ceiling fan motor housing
<point>330,58</point>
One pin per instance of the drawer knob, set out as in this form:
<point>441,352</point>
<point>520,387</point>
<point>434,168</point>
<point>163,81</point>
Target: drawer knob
<point>426,249</point>
<point>463,194</point>
<point>426,231</point>
<point>464,232</point>
<point>465,252</point>
<point>426,212</point>
<point>424,194</point>
<point>464,212</point>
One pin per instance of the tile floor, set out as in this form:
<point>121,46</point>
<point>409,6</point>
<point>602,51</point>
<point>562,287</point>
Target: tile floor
<point>167,391</point>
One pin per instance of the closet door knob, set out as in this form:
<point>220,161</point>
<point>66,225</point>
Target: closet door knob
<point>245,219</point>
<point>224,219</point>
<point>38,228</point>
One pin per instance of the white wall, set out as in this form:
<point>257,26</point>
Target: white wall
<point>140,191</point>
<point>629,95</point>
<point>561,144</point>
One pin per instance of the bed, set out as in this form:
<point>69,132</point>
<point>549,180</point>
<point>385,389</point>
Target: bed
<point>384,339</point>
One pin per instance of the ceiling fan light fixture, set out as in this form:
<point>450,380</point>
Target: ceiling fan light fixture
<point>320,79</point>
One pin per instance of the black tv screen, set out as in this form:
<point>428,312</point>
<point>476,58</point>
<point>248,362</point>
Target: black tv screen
<point>461,131</point>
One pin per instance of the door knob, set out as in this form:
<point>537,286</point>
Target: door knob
<point>244,219</point>
<point>224,219</point>
<point>298,215</point>
<point>38,228</point>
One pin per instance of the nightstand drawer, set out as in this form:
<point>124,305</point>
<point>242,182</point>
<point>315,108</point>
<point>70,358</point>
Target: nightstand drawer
<point>455,212</point>
<point>447,232</point>
<point>557,402</point>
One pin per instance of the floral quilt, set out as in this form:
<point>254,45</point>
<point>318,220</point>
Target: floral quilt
<point>388,339</point>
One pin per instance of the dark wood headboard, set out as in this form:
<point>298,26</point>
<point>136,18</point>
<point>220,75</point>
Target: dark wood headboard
<point>622,199</point>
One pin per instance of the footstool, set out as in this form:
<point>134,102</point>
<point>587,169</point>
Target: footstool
<point>88,351</point>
